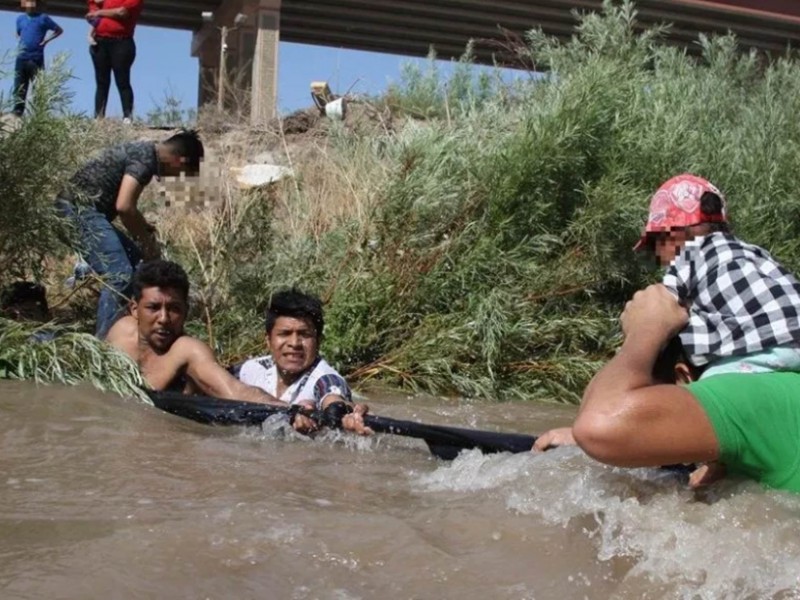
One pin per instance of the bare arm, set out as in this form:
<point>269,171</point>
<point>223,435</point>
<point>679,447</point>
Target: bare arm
<point>626,419</point>
<point>56,32</point>
<point>134,221</point>
<point>214,380</point>
<point>649,321</point>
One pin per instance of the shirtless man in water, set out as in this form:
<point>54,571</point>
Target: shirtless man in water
<point>153,336</point>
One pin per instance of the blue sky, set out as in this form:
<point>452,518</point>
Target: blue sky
<point>164,64</point>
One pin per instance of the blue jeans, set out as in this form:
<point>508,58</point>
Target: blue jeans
<point>25,69</point>
<point>110,253</point>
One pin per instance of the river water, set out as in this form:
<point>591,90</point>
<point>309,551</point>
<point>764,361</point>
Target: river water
<point>104,497</point>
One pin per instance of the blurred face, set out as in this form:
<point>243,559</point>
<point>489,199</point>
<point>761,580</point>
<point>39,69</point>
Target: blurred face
<point>667,244</point>
<point>177,165</point>
<point>28,5</point>
<point>293,344</point>
<point>161,313</point>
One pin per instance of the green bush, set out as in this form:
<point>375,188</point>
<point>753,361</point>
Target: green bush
<point>35,153</point>
<point>37,156</point>
<point>486,250</point>
<point>71,358</point>
<point>497,252</point>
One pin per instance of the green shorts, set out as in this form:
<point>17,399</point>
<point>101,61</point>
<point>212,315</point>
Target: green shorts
<point>756,418</point>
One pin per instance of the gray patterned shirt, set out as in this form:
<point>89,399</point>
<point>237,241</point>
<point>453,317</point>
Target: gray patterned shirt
<point>97,182</point>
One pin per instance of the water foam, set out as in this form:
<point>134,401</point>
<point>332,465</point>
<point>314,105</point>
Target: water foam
<point>733,541</point>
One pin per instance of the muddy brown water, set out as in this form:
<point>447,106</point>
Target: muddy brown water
<point>105,497</point>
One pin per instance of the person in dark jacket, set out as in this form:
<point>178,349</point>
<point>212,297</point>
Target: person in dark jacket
<point>108,186</point>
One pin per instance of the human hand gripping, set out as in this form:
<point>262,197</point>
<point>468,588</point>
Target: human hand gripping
<point>653,313</point>
<point>303,423</point>
<point>706,474</point>
<point>151,248</point>
<point>561,436</point>
<point>354,421</point>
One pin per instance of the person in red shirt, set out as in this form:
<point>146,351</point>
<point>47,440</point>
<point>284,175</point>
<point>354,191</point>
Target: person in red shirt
<point>93,22</point>
<point>114,51</point>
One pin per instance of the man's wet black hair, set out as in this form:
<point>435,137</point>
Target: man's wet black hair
<point>186,144</point>
<point>21,292</point>
<point>294,303</point>
<point>162,274</point>
<point>672,354</point>
<point>711,206</point>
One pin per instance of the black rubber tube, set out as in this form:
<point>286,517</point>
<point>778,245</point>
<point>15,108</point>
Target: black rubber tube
<point>444,442</point>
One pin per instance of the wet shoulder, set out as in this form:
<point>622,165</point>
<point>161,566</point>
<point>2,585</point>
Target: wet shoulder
<point>323,367</point>
<point>124,327</point>
<point>124,335</point>
<point>188,346</point>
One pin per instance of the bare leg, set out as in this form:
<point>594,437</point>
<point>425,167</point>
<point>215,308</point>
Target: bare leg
<point>707,474</point>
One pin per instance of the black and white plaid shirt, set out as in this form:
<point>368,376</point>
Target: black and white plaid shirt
<point>740,299</point>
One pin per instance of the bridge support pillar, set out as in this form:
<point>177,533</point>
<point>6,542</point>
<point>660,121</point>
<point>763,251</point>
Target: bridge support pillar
<point>264,89</point>
<point>251,58</point>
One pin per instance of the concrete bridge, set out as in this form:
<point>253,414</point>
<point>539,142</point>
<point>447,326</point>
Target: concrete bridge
<point>411,27</point>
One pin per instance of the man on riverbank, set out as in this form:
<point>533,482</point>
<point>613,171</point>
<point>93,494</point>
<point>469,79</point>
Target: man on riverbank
<point>108,186</point>
<point>293,370</point>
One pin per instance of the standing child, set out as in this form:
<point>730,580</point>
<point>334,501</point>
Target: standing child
<point>94,5</point>
<point>32,28</point>
<point>744,306</point>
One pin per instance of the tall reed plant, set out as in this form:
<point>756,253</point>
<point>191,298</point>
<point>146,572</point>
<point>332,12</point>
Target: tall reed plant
<point>490,254</point>
<point>481,244</point>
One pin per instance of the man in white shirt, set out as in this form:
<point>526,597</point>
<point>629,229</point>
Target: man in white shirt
<point>293,371</point>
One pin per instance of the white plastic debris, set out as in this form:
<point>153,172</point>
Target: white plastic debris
<point>257,175</point>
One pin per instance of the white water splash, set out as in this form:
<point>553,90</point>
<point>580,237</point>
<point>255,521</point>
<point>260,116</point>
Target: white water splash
<point>733,541</point>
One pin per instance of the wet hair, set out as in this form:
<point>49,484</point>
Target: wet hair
<point>672,354</point>
<point>23,292</point>
<point>294,303</point>
<point>711,205</point>
<point>162,274</point>
<point>186,144</point>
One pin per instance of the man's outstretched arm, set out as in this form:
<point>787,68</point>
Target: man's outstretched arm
<point>213,380</point>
